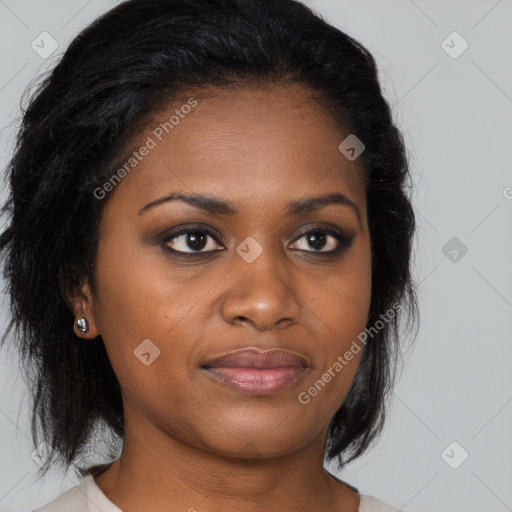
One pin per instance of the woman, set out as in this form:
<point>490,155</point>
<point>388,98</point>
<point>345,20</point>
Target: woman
<point>208,254</point>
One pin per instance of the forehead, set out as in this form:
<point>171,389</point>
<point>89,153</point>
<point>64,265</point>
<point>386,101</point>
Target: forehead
<point>254,143</point>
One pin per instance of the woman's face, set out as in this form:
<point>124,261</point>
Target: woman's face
<point>251,275</point>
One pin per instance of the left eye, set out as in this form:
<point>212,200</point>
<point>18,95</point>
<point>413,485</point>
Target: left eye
<point>322,240</point>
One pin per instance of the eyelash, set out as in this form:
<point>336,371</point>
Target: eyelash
<point>344,241</point>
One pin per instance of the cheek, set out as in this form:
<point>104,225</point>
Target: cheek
<point>344,315</point>
<point>341,310</point>
<point>140,317</point>
<point>140,299</point>
<point>136,293</point>
<point>344,301</point>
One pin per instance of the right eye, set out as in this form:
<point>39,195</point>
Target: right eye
<point>191,242</point>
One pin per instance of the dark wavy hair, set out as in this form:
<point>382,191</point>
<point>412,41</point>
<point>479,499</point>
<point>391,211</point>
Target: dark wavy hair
<point>114,76</point>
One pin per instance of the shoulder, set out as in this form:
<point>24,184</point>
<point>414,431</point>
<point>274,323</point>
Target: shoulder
<point>85,497</point>
<point>371,504</point>
<point>72,499</point>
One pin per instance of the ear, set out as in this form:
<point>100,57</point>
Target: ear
<point>80,301</point>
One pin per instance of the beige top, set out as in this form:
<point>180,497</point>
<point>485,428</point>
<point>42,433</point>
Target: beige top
<point>88,497</point>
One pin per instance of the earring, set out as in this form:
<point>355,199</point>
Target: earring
<point>83,325</point>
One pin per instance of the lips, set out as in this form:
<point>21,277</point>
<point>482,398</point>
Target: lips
<point>253,372</point>
<point>254,358</point>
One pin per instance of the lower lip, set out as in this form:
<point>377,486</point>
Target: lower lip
<point>256,381</point>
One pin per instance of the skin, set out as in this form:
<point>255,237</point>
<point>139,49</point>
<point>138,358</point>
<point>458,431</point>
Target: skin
<point>192,442</point>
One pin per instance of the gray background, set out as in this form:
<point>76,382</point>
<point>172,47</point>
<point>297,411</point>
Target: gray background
<point>456,116</point>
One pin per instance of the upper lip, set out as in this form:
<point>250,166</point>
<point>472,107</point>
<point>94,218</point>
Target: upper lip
<point>255,358</point>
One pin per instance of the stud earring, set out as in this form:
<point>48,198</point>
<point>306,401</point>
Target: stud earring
<point>83,325</point>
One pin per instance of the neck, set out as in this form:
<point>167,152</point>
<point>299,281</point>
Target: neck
<point>156,471</point>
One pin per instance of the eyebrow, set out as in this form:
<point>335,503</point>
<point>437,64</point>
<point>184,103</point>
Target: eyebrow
<point>219,206</point>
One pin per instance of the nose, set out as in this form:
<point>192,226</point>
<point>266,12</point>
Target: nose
<point>260,294</point>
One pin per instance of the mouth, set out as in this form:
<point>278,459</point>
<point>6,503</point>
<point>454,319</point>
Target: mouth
<point>254,372</point>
